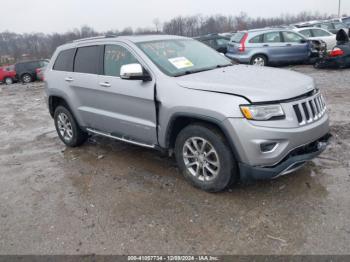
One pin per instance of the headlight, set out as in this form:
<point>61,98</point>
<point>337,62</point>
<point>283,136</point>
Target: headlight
<point>262,112</point>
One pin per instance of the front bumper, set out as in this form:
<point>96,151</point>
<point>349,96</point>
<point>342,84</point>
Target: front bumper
<point>293,161</point>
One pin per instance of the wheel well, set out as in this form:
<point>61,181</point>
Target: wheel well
<point>54,102</point>
<point>260,54</point>
<point>26,73</point>
<point>181,122</point>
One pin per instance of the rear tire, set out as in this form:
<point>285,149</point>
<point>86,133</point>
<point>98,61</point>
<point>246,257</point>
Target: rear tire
<point>67,128</point>
<point>26,78</point>
<point>259,60</point>
<point>204,158</point>
<point>8,81</point>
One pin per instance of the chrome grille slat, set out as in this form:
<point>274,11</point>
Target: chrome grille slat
<point>309,110</point>
<point>303,116</point>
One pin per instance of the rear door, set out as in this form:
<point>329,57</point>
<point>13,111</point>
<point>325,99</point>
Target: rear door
<point>296,47</point>
<point>127,107</point>
<point>83,83</point>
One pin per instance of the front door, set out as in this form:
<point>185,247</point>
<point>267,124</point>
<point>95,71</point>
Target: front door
<point>296,47</point>
<point>128,109</point>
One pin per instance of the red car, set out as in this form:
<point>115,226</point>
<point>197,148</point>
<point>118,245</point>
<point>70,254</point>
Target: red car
<point>40,73</point>
<point>7,74</point>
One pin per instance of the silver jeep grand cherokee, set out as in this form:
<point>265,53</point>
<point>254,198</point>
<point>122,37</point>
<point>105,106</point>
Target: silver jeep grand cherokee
<point>175,94</point>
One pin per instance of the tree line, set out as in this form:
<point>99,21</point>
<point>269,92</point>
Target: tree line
<point>14,46</point>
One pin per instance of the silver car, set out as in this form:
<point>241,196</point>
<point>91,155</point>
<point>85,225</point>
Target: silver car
<point>222,122</point>
<point>268,46</point>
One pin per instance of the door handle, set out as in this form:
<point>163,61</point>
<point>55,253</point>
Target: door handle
<point>105,84</point>
<point>288,44</point>
<point>265,45</point>
<point>69,79</point>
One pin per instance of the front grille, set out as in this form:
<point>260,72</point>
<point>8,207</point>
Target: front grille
<point>309,110</point>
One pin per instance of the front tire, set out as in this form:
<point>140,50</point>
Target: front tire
<point>204,158</point>
<point>67,128</point>
<point>8,81</point>
<point>259,60</point>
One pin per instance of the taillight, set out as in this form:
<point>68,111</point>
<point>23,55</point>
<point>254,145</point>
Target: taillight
<point>336,52</point>
<point>242,43</point>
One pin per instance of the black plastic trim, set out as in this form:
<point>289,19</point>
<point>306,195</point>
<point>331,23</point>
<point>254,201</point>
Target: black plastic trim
<point>206,119</point>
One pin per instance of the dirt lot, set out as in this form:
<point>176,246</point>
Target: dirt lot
<point>112,198</point>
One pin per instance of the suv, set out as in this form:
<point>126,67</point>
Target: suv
<point>7,74</point>
<point>175,94</point>
<point>215,41</point>
<point>26,71</point>
<point>266,46</point>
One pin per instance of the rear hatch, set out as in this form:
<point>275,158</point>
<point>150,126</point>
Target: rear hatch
<point>237,43</point>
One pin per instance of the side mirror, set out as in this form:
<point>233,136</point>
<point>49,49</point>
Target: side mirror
<point>303,41</point>
<point>134,72</point>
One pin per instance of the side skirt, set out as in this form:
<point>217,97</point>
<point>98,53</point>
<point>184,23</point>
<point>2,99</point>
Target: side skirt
<point>123,139</point>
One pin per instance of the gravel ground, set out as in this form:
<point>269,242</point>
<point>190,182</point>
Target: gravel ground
<point>107,197</point>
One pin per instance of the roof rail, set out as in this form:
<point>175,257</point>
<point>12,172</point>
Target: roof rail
<point>94,38</point>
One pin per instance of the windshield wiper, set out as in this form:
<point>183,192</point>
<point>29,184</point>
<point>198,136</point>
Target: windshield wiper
<point>188,72</point>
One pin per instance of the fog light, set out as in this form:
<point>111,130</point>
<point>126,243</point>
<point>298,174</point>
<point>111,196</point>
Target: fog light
<point>268,147</point>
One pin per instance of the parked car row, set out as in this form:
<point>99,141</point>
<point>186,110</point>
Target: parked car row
<point>332,26</point>
<point>24,72</point>
<point>285,44</point>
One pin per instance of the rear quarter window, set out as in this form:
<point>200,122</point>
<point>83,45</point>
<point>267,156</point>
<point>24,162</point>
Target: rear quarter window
<point>64,61</point>
<point>306,33</point>
<point>87,60</point>
<point>257,39</point>
<point>237,37</point>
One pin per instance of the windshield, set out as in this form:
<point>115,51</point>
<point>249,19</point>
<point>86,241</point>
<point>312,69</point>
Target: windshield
<point>183,56</point>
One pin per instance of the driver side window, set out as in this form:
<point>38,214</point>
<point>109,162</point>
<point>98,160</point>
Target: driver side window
<point>115,57</point>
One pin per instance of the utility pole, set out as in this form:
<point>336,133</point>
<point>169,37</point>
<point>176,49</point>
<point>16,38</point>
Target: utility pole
<point>339,8</point>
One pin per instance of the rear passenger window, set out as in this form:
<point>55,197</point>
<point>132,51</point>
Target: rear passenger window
<point>256,40</point>
<point>87,60</point>
<point>273,37</point>
<point>306,33</point>
<point>320,32</point>
<point>115,57</point>
<point>291,37</point>
<point>64,61</point>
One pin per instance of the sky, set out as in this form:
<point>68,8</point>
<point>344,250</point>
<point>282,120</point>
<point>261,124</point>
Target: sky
<point>47,16</point>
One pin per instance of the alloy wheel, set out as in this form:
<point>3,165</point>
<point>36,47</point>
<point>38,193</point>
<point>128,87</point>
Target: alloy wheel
<point>64,126</point>
<point>8,81</point>
<point>259,61</point>
<point>201,159</point>
<point>27,79</point>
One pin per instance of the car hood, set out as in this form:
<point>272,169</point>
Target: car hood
<point>257,84</point>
